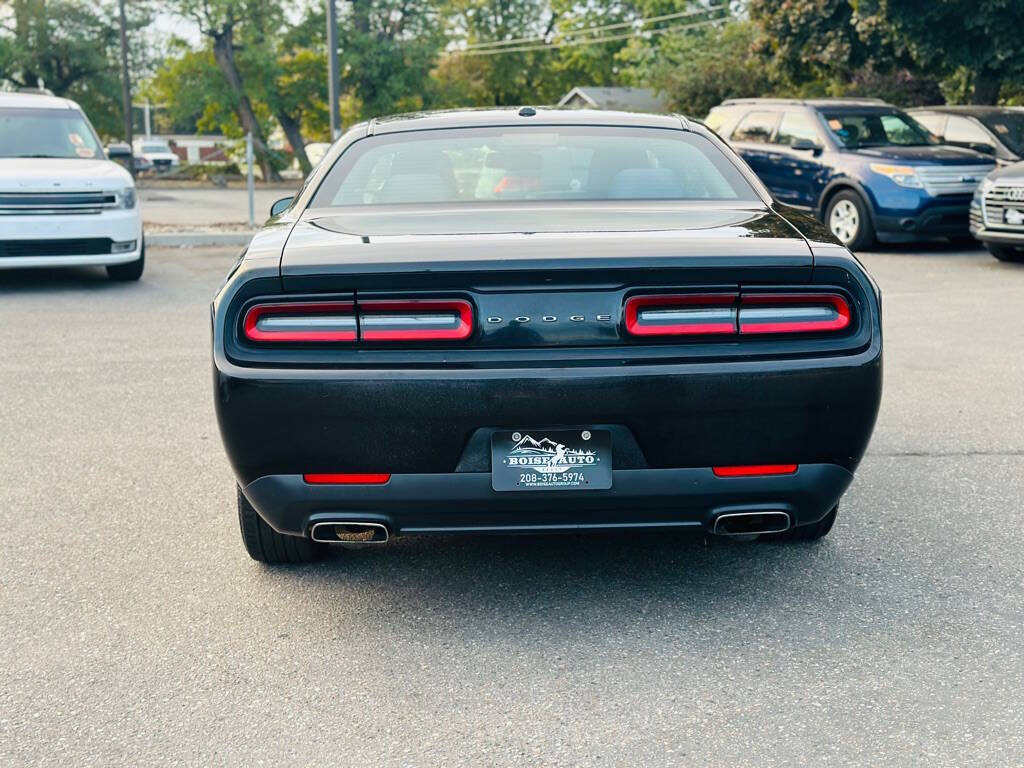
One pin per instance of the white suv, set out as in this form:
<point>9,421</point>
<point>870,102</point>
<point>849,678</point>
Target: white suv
<point>62,202</point>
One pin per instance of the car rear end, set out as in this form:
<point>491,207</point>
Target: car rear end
<point>675,364</point>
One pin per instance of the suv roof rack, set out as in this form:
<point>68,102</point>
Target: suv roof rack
<point>808,102</point>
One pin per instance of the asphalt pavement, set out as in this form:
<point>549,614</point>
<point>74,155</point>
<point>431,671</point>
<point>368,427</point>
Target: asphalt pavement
<point>135,630</point>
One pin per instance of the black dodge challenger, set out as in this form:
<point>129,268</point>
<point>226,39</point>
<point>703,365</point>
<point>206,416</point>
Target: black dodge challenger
<point>536,320</point>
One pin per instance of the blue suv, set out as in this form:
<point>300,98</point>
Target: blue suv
<point>865,168</point>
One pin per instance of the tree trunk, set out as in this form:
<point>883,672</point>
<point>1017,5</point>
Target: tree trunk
<point>292,128</point>
<point>224,54</point>
<point>986,87</point>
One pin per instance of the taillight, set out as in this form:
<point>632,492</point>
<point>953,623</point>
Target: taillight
<point>301,321</point>
<point>415,320</point>
<point>793,313</point>
<point>681,315</point>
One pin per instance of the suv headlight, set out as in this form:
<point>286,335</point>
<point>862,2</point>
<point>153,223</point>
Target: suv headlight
<point>126,198</point>
<point>904,175</point>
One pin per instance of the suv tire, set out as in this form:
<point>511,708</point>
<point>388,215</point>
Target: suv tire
<point>266,545</point>
<point>848,219</point>
<point>130,272</point>
<point>1006,252</point>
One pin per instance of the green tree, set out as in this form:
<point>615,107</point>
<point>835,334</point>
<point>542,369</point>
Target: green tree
<point>981,37</point>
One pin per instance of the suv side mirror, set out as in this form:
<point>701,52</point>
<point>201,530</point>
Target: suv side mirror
<point>279,206</point>
<point>804,145</point>
<point>118,151</point>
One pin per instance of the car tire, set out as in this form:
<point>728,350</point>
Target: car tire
<point>1006,252</point>
<point>848,219</point>
<point>265,545</point>
<point>130,272</point>
<point>812,532</point>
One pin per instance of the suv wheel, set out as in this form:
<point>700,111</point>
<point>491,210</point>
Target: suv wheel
<point>266,545</point>
<point>1005,252</point>
<point>847,218</point>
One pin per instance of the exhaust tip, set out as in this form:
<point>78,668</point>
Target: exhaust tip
<point>747,523</point>
<point>348,532</point>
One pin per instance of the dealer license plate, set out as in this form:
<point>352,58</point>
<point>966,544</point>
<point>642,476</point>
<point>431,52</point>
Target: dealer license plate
<point>551,460</point>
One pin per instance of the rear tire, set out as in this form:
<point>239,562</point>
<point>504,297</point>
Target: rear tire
<point>266,545</point>
<point>130,272</point>
<point>812,532</point>
<point>847,218</point>
<point>1006,252</point>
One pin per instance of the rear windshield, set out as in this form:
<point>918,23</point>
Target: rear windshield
<point>46,133</point>
<point>537,163</point>
<point>876,129</point>
<point>1009,127</point>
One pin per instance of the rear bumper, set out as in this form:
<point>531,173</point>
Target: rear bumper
<point>464,502</point>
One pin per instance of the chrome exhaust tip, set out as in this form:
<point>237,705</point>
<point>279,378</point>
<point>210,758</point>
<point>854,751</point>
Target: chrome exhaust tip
<point>751,523</point>
<point>350,532</point>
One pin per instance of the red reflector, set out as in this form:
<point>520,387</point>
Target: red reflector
<point>681,315</point>
<point>415,319</point>
<point>301,321</point>
<point>358,478</point>
<point>750,470</point>
<point>793,313</point>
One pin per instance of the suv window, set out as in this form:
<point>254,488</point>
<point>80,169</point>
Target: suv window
<point>756,127</point>
<point>794,127</point>
<point>960,130</point>
<point>875,129</point>
<point>47,132</point>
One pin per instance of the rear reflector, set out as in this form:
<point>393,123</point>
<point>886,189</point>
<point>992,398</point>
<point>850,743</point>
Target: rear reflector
<point>753,470</point>
<point>359,478</point>
<point>415,320</point>
<point>681,315</point>
<point>301,321</point>
<point>793,313</point>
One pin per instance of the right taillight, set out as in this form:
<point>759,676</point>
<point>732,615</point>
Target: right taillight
<point>793,313</point>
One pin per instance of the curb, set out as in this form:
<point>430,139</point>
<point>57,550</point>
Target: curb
<point>197,239</point>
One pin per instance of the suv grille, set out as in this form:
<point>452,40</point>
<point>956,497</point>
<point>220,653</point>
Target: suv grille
<point>84,246</point>
<point>55,202</point>
<point>952,179</point>
<point>997,202</point>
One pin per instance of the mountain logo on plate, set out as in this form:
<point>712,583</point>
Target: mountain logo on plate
<point>546,455</point>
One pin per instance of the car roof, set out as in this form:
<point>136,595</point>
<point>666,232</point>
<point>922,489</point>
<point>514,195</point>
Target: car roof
<point>814,103</point>
<point>475,118</point>
<point>34,101</point>
<point>967,109</point>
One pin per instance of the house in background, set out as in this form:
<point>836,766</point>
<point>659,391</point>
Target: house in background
<point>625,99</point>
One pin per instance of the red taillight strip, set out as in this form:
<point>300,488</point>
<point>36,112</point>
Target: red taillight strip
<point>753,470</point>
<point>759,321</point>
<point>347,478</point>
<point>416,327</point>
<point>699,306</point>
<point>341,309</point>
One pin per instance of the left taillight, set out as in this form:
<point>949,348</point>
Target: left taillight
<point>373,320</point>
<point>321,321</point>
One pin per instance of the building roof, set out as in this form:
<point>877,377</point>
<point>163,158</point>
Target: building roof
<point>624,99</point>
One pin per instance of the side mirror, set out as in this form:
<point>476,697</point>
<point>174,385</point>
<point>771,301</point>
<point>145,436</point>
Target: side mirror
<point>118,151</point>
<point>804,145</point>
<point>279,206</point>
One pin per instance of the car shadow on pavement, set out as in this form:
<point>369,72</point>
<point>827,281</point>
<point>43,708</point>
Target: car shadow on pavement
<point>63,279</point>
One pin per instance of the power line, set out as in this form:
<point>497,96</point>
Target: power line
<point>598,28</point>
<point>592,40</point>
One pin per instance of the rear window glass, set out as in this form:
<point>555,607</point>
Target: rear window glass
<point>536,163</point>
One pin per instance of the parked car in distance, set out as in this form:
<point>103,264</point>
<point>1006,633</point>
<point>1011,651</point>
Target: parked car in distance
<point>158,153</point>
<point>62,201</point>
<point>997,213</point>
<point>862,166</point>
<point>540,320</point>
<point>996,131</point>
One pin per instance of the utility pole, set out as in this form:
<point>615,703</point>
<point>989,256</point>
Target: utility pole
<point>126,86</point>
<point>332,68</point>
